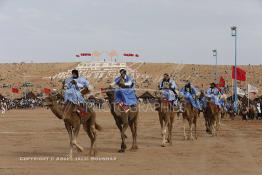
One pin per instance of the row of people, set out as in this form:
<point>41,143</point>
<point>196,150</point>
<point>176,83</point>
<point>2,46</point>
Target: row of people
<point>125,94</point>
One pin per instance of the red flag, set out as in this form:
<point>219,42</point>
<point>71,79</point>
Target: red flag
<point>15,90</point>
<point>222,82</point>
<point>241,74</point>
<point>218,87</point>
<point>47,91</point>
<point>130,55</point>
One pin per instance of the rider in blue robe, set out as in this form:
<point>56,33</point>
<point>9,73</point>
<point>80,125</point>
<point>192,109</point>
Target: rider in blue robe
<point>73,85</point>
<point>189,92</point>
<point>214,93</point>
<point>125,93</point>
<point>168,88</point>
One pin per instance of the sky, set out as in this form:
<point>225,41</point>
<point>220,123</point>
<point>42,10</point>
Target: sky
<point>174,31</point>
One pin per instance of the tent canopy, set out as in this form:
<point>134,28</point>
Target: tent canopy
<point>146,95</point>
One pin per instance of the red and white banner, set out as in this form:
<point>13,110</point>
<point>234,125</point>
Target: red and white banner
<point>84,55</point>
<point>130,55</point>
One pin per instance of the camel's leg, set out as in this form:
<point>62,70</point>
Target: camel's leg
<point>168,126</point>
<point>135,133</point>
<point>123,144</point>
<point>219,121</point>
<point>191,129</point>
<point>132,127</point>
<point>170,130</point>
<point>209,125</point>
<point>184,126</point>
<point>213,128</point>
<point>74,140</point>
<point>88,130</point>
<point>164,133</point>
<point>195,123</point>
<point>70,133</point>
<point>93,147</point>
<point>160,120</point>
<point>206,122</point>
<point>118,124</point>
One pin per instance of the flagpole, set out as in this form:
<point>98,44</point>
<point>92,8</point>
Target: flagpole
<point>247,87</point>
<point>247,90</point>
<point>232,87</point>
<point>234,33</point>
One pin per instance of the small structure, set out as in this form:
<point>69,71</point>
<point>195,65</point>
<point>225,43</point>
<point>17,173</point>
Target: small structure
<point>30,95</point>
<point>146,96</point>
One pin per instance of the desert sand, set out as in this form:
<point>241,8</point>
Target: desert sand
<point>28,134</point>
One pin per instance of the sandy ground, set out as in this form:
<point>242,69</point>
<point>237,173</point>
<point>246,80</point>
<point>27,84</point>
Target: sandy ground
<point>38,134</point>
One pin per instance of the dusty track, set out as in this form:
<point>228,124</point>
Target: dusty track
<point>37,133</point>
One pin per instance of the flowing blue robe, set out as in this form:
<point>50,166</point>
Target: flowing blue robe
<point>125,95</point>
<point>189,97</point>
<point>72,93</point>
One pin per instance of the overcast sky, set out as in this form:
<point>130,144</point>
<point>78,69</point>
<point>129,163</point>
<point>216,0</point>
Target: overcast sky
<point>159,30</point>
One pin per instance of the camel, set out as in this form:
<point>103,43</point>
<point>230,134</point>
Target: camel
<point>166,113</point>
<point>190,114</point>
<point>212,115</point>
<point>123,119</point>
<point>73,122</point>
<point>248,112</point>
<point>231,112</point>
<point>223,113</point>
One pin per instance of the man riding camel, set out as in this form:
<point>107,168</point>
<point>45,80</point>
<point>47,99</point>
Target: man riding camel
<point>190,93</point>
<point>214,94</point>
<point>168,88</point>
<point>125,94</point>
<point>75,86</point>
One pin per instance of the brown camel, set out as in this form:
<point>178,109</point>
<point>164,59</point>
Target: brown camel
<point>166,114</point>
<point>190,114</point>
<point>123,119</point>
<point>212,115</point>
<point>74,121</point>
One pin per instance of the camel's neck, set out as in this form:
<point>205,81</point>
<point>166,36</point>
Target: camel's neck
<point>57,110</point>
<point>110,100</point>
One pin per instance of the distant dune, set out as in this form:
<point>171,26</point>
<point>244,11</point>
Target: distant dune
<point>147,75</point>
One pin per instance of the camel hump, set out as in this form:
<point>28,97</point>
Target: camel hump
<point>98,127</point>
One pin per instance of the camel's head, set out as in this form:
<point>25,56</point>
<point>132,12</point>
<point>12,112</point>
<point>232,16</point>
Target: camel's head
<point>52,99</point>
<point>201,94</point>
<point>158,94</point>
<point>208,98</point>
<point>224,97</point>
